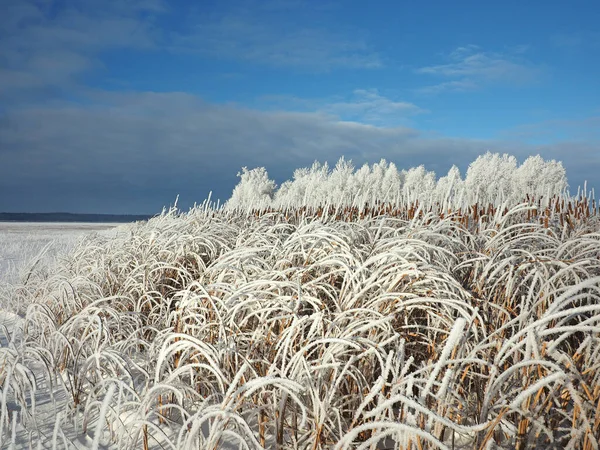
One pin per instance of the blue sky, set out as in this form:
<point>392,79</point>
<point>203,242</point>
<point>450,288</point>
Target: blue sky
<point>118,106</point>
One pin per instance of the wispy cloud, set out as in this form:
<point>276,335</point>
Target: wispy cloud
<point>46,46</point>
<point>369,106</point>
<point>261,36</point>
<point>366,106</point>
<point>469,68</point>
<point>449,86</point>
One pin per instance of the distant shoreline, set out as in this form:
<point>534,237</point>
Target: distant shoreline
<point>72,217</point>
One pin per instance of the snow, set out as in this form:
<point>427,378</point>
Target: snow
<point>20,242</point>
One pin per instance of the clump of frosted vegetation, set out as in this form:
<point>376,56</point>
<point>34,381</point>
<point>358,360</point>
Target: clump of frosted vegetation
<point>296,329</point>
<point>491,178</point>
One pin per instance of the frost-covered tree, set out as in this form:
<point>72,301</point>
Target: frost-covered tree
<point>450,188</point>
<point>307,187</point>
<point>490,178</point>
<point>419,184</point>
<point>380,182</point>
<point>391,184</point>
<point>340,186</point>
<point>387,182</point>
<point>254,190</point>
<point>365,182</point>
<point>539,178</point>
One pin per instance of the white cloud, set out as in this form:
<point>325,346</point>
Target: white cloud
<point>470,67</point>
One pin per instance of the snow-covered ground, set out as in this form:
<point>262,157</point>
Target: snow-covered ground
<point>22,242</point>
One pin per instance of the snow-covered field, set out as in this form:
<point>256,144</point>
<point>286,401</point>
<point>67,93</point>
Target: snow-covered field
<point>409,325</point>
<point>22,242</point>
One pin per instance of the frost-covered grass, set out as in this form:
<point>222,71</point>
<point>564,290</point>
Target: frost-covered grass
<point>314,329</point>
<point>28,248</point>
